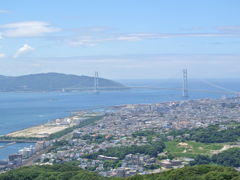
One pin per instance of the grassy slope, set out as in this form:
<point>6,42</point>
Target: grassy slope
<point>194,148</point>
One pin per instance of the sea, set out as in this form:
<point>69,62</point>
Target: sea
<point>22,110</point>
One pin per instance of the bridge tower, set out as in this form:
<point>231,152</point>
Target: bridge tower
<point>185,84</point>
<point>96,82</point>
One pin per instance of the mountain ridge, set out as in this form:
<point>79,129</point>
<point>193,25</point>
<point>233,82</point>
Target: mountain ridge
<point>54,82</point>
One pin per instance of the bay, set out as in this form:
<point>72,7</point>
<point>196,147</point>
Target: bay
<point>22,110</point>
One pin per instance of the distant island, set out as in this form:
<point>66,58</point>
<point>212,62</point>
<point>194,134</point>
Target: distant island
<point>48,82</point>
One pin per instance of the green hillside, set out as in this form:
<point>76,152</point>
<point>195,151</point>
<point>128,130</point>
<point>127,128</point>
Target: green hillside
<point>54,82</point>
<point>69,172</point>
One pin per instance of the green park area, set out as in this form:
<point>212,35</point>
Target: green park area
<point>191,149</point>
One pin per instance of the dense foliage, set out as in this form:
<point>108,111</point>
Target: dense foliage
<point>93,138</point>
<point>20,139</point>
<point>149,135</point>
<point>55,172</point>
<point>69,172</point>
<point>151,149</point>
<point>211,134</point>
<point>146,133</point>
<point>230,157</point>
<point>110,164</point>
<point>202,172</point>
<point>201,159</point>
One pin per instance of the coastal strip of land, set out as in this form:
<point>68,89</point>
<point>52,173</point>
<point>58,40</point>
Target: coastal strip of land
<point>149,136</point>
<point>45,130</point>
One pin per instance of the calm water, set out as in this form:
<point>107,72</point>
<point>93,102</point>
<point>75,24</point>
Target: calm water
<point>22,110</point>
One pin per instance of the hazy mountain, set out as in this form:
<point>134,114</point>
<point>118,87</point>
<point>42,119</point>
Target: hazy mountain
<point>54,82</point>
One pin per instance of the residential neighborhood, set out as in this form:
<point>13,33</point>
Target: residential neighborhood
<point>119,127</point>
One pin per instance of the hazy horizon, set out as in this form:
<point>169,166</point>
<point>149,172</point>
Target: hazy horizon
<point>121,39</point>
<point>126,79</point>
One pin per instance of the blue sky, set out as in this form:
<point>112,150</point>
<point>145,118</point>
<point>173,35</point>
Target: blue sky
<point>121,39</point>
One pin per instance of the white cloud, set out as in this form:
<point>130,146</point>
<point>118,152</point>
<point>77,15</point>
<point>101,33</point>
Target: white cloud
<point>27,29</point>
<point>25,49</point>
<point>132,37</point>
<point>143,36</point>
<point>2,55</point>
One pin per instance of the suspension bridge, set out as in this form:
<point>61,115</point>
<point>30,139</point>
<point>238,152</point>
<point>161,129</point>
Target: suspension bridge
<point>184,89</point>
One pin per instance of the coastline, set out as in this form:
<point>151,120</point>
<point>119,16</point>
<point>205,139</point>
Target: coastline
<point>130,118</point>
<point>45,130</point>
<point>81,119</point>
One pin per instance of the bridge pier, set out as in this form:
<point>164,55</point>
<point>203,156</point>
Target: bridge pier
<point>185,84</point>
